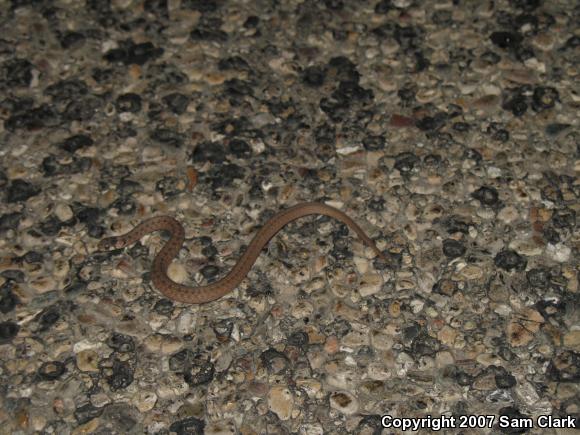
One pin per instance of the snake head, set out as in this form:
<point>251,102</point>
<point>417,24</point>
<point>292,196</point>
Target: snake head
<point>110,243</point>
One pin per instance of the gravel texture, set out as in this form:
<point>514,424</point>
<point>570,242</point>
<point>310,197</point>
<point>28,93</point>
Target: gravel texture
<point>447,129</point>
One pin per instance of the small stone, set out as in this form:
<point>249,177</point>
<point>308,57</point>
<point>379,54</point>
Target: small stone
<point>20,190</point>
<point>281,402</point>
<point>558,252</point>
<point>63,212</point>
<point>453,248</point>
<point>145,401</point>
<point>510,260</point>
<point>51,371</point>
<point>572,340</point>
<point>87,361</point>
<point>486,195</point>
<point>344,402</point>
<point>370,284</point>
<point>447,336</point>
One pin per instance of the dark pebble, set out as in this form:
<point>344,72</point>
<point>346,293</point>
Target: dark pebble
<point>517,105</point>
<point>411,332</point>
<point>71,39</point>
<point>526,5</point>
<point>83,109</point>
<point>431,123</point>
<point>240,148</point>
<point>556,128</point>
<point>407,96</point>
<point>8,300</point>
<point>374,143</point>
<point>564,367</point>
<point>86,413</point>
<point>76,142</point>
<point>383,7</point>
<point>48,317</point>
<point>298,339</point>
<point>202,6</point>
<point>432,160</point>
<point>199,372</point>
<point>51,166</point>
<point>453,248</point>
<point>51,371</point>
<point>176,102</point>
<point>210,272</point>
<point>539,277</point>
<point>235,63</point>
<point>209,30</point>
<point>8,331</point>
<point>16,73</point>
<point>510,260</point>
<point>10,221</point>
<point>274,361</point>
<point>223,175</point>
<point>501,135</point>
<point>506,40</point>
<point>164,307</point>
<point>461,126</point>
<point>39,117</point>
<point>14,275</point>
<point>66,91</point>
<point>213,152</point>
<point>188,426</point>
<point>158,8</point>
<point>406,162</point>
<point>102,75</point>
<point>128,102</point>
<point>551,235</point>
<point>87,214</point>
<point>424,345</point>
<point>131,53</point>
<point>124,206</point>
<point>376,204</point>
<point>504,379</point>
<point>564,218</point>
<point>252,22</point>
<point>314,76</point>
<point>121,376</point>
<point>544,97</point>
<point>20,190</point>
<point>486,195</point>
<point>50,226</point>
<point>121,343</point>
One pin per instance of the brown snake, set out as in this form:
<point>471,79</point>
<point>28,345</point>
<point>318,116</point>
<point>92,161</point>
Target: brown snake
<point>213,291</point>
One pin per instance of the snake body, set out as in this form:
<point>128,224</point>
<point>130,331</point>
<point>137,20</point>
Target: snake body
<point>213,291</point>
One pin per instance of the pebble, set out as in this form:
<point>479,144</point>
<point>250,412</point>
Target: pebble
<point>281,402</point>
<point>447,132</point>
<point>344,402</point>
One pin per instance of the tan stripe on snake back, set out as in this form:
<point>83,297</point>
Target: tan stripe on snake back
<point>213,291</point>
